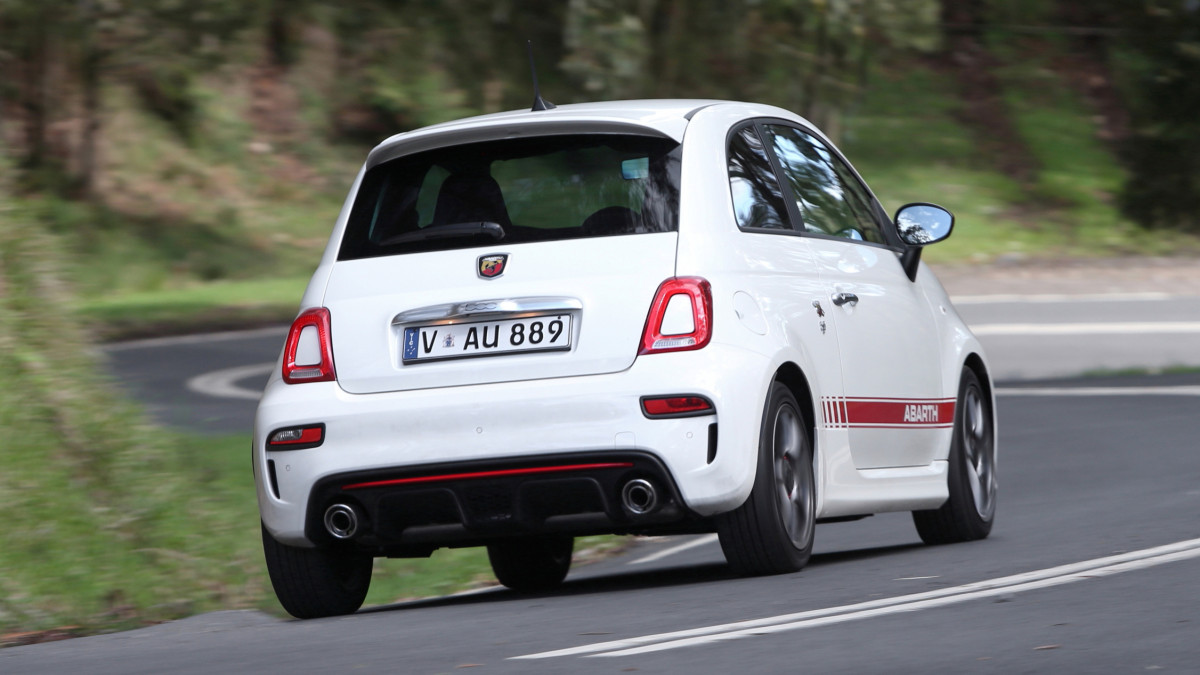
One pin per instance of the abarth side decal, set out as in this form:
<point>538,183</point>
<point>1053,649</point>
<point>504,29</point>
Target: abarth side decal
<point>841,412</point>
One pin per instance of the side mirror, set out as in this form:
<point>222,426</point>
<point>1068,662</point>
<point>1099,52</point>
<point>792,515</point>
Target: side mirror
<point>919,225</point>
<point>922,224</point>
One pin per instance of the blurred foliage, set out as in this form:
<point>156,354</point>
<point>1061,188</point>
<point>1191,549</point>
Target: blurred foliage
<point>372,68</point>
<point>408,63</point>
<point>109,522</point>
<point>1160,50</point>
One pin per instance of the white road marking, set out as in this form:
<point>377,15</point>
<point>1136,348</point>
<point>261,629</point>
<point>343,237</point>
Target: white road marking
<point>1099,391</point>
<point>200,338</point>
<point>1045,298</point>
<point>666,552</point>
<point>1028,581</point>
<point>1122,328</point>
<point>223,383</point>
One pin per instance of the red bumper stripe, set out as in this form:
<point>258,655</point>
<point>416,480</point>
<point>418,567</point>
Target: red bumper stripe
<point>488,474</point>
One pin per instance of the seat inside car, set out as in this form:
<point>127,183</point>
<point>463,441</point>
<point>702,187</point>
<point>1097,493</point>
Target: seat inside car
<point>611,220</point>
<point>469,198</point>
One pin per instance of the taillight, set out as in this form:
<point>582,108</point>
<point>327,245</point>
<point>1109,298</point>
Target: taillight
<point>680,316</point>
<point>308,355</point>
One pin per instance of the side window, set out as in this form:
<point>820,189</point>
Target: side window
<point>829,196</point>
<point>757,196</point>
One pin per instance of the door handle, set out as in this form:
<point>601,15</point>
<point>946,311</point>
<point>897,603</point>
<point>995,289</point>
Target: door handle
<point>840,299</point>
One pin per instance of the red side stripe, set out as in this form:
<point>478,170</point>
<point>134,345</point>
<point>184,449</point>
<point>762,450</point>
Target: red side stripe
<point>900,413</point>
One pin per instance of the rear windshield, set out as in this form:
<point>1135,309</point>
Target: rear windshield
<point>514,191</point>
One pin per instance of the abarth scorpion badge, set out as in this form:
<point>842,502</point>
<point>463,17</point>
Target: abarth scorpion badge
<point>491,266</point>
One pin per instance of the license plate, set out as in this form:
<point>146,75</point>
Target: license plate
<point>487,338</point>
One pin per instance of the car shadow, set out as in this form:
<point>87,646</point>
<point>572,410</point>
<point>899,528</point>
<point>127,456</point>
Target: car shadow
<point>618,581</point>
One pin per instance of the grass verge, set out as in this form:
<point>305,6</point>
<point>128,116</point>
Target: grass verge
<point>107,525</point>
<point>197,308</point>
<point>110,522</point>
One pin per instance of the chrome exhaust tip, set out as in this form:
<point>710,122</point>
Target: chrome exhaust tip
<point>639,496</point>
<point>341,521</point>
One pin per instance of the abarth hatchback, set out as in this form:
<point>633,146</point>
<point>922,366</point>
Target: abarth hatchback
<point>638,317</point>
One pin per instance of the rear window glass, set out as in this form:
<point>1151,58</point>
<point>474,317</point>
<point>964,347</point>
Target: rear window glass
<point>514,191</point>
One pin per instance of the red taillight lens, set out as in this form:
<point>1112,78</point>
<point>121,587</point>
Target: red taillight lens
<point>680,317</point>
<point>676,406</point>
<point>308,355</point>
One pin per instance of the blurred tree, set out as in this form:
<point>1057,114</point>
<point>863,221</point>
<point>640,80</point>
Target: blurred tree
<point>807,55</point>
<point>1160,57</point>
<point>62,50</point>
<point>814,55</point>
<point>407,63</point>
<point>965,25</point>
<point>607,50</point>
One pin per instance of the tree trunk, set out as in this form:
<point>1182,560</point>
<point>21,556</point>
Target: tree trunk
<point>90,80</point>
<point>32,94</point>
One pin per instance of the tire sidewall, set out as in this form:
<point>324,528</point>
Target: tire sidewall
<point>980,525</point>
<point>764,483</point>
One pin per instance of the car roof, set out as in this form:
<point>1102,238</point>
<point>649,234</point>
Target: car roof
<point>665,117</point>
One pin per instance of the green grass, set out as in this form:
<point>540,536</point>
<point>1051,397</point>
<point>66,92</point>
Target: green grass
<point>908,144</point>
<point>190,233</point>
<point>107,523</point>
<point>1129,372</point>
<point>195,308</point>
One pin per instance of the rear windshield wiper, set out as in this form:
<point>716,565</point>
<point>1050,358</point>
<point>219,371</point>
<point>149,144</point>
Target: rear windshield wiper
<point>451,231</point>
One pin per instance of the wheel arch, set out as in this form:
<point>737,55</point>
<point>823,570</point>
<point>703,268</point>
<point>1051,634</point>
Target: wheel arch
<point>975,362</point>
<point>793,378</point>
<point>978,366</point>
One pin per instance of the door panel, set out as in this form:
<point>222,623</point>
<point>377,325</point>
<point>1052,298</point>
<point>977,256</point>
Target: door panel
<point>894,407</point>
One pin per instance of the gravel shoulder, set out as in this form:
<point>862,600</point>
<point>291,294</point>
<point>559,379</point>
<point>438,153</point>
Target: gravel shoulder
<point>1073,276</point>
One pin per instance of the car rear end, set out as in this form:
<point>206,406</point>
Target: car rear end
<point>496,344</point>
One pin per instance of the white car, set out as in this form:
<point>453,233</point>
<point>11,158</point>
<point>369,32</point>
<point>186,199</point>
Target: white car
<point>636,317</point>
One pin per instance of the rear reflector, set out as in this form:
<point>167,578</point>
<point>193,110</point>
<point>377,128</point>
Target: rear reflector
<point>676,406</point>
<point>296,438</point>
<point>680,317</point>
<point>308,354</point>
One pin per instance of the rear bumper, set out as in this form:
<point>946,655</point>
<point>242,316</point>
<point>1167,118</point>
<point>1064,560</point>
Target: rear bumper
<point>593,419</point>
<point>409,511</point>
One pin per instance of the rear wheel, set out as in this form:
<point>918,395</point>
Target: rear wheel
<point>772,532</point>
<point>531,563</point>
<point>968,513</point>
<point>316,582</point>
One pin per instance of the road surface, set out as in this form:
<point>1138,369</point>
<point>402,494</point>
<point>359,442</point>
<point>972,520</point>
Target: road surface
<point>1092,566</point>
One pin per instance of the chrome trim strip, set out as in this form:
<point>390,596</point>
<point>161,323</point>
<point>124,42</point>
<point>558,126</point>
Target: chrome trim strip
<point>513,308</point>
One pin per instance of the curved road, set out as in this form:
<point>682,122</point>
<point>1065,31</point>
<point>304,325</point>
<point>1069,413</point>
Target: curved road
<point>1092,566</point>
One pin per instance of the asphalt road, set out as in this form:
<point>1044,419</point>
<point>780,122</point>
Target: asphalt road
<point>1083,478</point>
<point>1025,336</point>
<point>1092,566</point>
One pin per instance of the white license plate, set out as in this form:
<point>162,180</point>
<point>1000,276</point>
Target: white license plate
<point>487,338</point>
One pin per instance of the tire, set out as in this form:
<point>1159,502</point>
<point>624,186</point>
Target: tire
<point>531,564</point>
<point>969,512</point>
<point>772,532</point>
<point>316,582</point>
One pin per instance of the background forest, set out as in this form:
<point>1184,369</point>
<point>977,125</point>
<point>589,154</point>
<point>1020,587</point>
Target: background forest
<point>178,142</point>
<point>176,165</point>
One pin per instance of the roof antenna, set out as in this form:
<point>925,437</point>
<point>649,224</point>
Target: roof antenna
<point>539,103</point>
